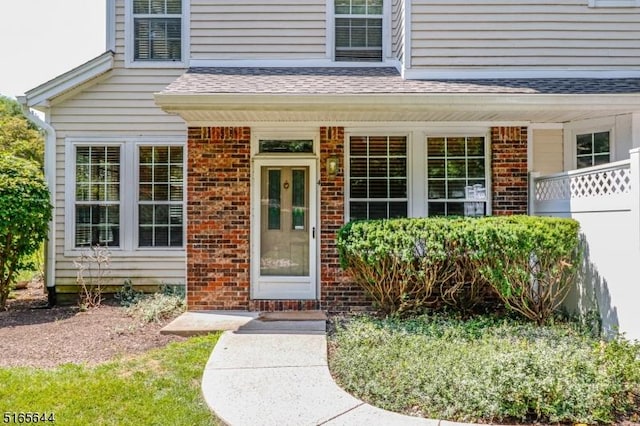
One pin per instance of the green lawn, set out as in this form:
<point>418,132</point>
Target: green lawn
<point>488,369</point>
<point>160,387</point>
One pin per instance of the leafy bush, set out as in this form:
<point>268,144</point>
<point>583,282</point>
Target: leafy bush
<point>128,295</point>
<point>409,264</point>
<point>25,212</point>
<point>531,262</point>
<point>487,370</point>
<point>167,303</point>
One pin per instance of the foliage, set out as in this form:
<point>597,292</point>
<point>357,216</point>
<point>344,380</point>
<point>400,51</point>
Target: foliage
<point>409,264</point>
<point>92,270</point>
<point>128,295</point>
<point>160,387</point>
<point>531,262</point>
<point>18,136</point>
<point>167,303</point>
<point>25,212</point>
<point>488,369</point>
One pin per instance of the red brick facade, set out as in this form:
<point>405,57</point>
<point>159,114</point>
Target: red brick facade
<point>509,177</point>
<point>337,293</point>
<point>219,214</point>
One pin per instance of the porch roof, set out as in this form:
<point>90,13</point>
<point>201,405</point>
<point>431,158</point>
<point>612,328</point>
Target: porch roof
<point>381,94</point>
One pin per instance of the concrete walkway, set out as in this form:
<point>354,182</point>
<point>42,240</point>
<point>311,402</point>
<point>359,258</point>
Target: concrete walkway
<point>276,373</point>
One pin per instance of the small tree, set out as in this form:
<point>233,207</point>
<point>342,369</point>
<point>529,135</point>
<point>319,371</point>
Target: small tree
<point>25,212</point>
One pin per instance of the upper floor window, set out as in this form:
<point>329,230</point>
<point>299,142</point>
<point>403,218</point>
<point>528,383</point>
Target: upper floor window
<point>358,30</point>
<point>593,149</point>
<point>157,30</point>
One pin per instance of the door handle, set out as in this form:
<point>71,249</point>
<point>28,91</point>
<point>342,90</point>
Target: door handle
<point>313,232</point>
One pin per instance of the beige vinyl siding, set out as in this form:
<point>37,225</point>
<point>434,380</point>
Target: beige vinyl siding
<point>258,29</point>
<point>120,104</point>
<point>548,151</point>
<point>398,29</point>
<point>523,33</point>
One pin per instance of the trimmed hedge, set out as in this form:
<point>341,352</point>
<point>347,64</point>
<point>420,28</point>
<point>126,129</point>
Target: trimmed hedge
<point>410,264</point>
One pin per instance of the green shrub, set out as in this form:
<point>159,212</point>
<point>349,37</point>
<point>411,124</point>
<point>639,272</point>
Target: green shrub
<point>408,264</point>
<point>487,369</point>
<point>531,262</point>
<point>25,212</point>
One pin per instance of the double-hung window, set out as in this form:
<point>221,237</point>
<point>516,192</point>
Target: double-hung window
<point>457,176</point>
<point>97,196</point>
<point>160,196</point>
<point>358,30</point>
<point>127,195</point>
<point>377,177</point>
<point>157,30</point>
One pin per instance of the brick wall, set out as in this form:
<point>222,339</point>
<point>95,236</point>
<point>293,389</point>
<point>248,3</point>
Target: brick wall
<point>509,176</point>
<point>337,293</point>
<point>218,214</point>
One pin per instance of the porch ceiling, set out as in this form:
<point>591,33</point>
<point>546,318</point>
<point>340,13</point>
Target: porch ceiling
<point>241,95</point>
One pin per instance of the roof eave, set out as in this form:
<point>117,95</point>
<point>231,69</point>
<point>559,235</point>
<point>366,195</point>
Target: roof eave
<point>40,96</point>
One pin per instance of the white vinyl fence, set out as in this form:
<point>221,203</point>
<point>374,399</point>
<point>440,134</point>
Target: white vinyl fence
<point>606,201</point>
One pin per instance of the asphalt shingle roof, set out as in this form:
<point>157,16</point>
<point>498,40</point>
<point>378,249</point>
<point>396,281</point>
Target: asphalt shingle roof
<point>377,81</point>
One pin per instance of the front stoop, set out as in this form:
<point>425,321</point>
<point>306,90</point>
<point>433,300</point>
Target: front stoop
<point>204,322</point>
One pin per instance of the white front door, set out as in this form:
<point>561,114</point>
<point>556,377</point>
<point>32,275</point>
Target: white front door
<point>284,229</point>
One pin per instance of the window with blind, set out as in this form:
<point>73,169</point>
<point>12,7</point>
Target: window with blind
<point>160,196</point>
<point>157,30</point>
<point>377,177</point>
<point>457,176</point>
<point>358,30</point>
<point>97,196</point>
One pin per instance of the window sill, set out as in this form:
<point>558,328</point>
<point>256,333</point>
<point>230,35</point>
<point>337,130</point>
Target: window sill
<point>156,64</point>
<point>120,253</point>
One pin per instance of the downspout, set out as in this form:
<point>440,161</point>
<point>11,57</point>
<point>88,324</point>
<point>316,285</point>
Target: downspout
<point>50,176</point>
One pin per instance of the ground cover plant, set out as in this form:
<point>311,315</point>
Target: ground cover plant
<point>159,387</point>
<point>487,369</point>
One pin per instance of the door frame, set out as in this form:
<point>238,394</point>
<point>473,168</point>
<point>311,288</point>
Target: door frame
<point>258,283</point>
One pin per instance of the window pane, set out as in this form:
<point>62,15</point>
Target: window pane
<point>455,209</point>
<point>398,188</point>
<point>358,167</point>
<point>175,239</point>
<point>398,209</point>
<point>378,167</point>
<point>600,159</point>
<point>397,167</point>
<point>274,199</point>
<point>586,161</point>
<point>601,142</point>
<point>378,146</point>
<point>437,189</point>
<point>456,147</point>
<point>437,209</point>
<point>286,146</point>
<point>436,147</point>
<point>342,6</point>
<point>436,168</point>
<point>146,214</point>
<point>584,144</point>
<point>145,236</point>
<point>378,211</point>
<point>174,7</point>
<point>456,189</point>
<point>157,39</point>
<point>97,225</point>
<point>358,211</point>
<point>378,188</point>
<point>358,188</point>
<point>475,147</point>
<point>358,146</point>
<point>476,168</point>
<point>398,145</point>
<point>456,168</point>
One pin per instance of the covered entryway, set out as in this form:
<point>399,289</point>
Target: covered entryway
<point>284,215</point>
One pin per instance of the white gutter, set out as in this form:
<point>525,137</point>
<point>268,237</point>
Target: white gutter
<point>50,176</point>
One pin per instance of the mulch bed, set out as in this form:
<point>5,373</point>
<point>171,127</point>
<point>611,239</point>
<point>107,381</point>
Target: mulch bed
<point>33,336</point>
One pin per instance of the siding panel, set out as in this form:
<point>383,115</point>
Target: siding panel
<point>523,33</point>
<point>251,29</point>
<point>119,105</point>
<point>548,151</point>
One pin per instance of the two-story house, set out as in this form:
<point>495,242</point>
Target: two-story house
<point>221,145</point>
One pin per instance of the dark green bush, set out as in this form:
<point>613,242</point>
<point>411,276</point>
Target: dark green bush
<point>409,264</point>
<point>25,212</point>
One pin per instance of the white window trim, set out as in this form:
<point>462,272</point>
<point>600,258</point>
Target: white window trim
<point>347,170</point>
<point>129,60</point>
<point>614,3</point>
<point>387,51</point>
<point>487,164</point>
<point>128,195</point>
<point>572,130</point>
